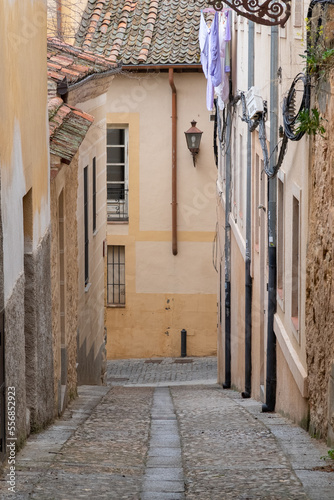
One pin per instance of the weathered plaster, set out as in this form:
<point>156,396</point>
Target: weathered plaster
<point>91,317</point>
<point>13,190</point>
<point>157,270</point>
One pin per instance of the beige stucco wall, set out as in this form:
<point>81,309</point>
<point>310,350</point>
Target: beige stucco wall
<point>237,314</point>
<point>24,149</point>
<point>164,293</point>
<point>65,182</point>
<point>25,248</point>
<point>91,324</point>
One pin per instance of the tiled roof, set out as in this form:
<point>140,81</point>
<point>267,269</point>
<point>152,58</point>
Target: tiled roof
<point>64,60</point>
<point>68,127</point>
<point>145,32</point>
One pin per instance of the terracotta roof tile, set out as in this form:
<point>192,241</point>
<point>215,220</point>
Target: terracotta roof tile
<point>143,31</point>
<point>68,127</point>
<point>73,63</point>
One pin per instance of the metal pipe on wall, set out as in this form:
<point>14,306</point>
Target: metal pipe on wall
<point>59,19</point>
<point>272,198</point>
<point>174,162</point>
<point>227,383</point>
<point>248,278</point>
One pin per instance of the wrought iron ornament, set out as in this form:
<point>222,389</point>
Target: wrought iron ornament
<point>268,12</point>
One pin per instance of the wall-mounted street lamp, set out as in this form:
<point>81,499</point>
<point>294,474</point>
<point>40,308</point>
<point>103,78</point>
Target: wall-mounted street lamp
<point>193,138</point>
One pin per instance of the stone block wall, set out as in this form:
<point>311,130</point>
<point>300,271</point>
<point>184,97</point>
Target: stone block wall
<point>28,346</point>
<point>320,276</point>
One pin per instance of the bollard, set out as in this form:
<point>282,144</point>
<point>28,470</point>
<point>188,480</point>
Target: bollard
<point>183,343</point>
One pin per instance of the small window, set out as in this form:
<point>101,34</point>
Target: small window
<point>86,225</point>
<point>240,180</point>
<point>280,238</point>
<point>116,275</point>
<point>257,214</point>
<point>295,264</point>
<point>94,195</point>
<point>117,181</point>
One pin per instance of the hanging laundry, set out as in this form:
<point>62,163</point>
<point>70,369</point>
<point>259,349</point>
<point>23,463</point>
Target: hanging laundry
<point>214,62</point>
<point>222,91</point>
<point>204,44</point>
<point>228,43</point>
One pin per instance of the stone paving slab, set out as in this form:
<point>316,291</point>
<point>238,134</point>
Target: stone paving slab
<point>164,474</point>
<point>162,496</point>
<point>164,461</point>
<point>159,478</point>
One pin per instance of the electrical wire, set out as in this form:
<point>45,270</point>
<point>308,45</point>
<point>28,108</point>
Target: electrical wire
<point>215,129</point>
<point>290,115</point>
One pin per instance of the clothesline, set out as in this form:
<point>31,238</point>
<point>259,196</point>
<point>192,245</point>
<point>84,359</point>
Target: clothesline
<point>209,9</point>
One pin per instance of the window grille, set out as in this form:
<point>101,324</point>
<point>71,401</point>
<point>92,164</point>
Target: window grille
<point>116,275</point>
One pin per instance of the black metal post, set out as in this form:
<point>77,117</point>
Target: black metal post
<point>183,343</point>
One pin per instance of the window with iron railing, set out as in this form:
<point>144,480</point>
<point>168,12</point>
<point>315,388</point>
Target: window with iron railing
<point>117,174</point>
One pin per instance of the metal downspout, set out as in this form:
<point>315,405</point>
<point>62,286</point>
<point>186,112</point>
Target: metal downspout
<point>272,195</point>
<point>59,19</point>
<point>248,278</point>
<point>227,383</point>
<point>174,163</point>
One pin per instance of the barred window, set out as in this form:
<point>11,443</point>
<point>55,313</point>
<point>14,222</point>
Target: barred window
<point>116,275</point>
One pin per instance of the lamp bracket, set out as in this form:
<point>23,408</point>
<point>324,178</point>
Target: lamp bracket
<point>267,12</point>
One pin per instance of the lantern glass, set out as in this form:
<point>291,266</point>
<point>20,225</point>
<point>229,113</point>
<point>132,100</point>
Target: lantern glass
<point>193,140</point>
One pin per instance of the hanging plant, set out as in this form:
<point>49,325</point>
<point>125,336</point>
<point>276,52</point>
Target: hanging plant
<point>310,122</point>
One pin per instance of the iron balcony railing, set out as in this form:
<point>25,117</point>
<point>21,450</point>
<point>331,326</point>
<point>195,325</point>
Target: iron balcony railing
<point>117,204</point>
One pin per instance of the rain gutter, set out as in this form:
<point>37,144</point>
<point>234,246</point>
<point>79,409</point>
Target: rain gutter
<point>174,162</point>
<point>248,278</point>
<point>272,200</point>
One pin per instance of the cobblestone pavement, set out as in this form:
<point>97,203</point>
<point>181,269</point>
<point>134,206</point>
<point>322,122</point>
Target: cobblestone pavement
<point>158,371</point>
<point>123,442</point>
<point>228,454</point>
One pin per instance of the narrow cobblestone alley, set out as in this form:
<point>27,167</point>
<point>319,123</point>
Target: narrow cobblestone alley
<point>163,430</point>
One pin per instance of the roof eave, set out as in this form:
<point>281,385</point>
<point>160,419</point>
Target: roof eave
<point>154,67</point>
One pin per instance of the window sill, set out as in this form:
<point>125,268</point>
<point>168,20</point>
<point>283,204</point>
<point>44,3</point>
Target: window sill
<point>118,222</point>
<point>95,232</point>
<point>87,287</point>
<point>280,298</point>
<point>295,326</point>
<point>116,306</point>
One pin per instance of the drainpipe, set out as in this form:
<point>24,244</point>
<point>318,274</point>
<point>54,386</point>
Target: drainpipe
<point>174,163</point>
<point>59,19</point>
<point>272,186</point>
<point>227,383</point>
<point>248,278</point>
